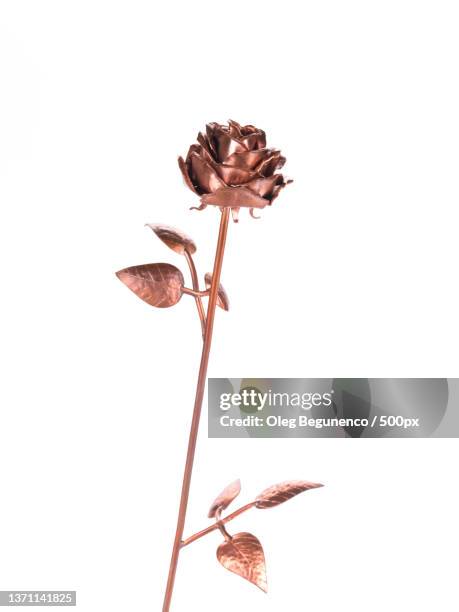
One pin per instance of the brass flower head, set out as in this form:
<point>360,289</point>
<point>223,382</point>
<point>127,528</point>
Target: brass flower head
<point>231,166</point>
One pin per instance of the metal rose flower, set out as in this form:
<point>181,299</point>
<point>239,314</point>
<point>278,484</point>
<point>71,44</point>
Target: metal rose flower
<point>230,166</point>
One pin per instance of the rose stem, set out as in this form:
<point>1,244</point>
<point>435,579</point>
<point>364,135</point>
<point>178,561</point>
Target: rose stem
<point>195,281</point>
<point>215,526</point>
<point>197,406</point>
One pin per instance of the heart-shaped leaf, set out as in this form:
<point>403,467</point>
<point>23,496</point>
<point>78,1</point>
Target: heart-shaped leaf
<point>225,498</point>
<point>244,556</point>
<point>222,300</point>
<point>158,284</point>
<point>173,238</point>
<point>280,493</point>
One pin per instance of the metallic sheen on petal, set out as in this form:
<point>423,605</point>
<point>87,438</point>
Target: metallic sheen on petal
<point>186,177</point>
<point>248,129</point>
<point>234,176</point>
<point>255,140</point>
<point>264,186</point>
<point>203,175</point>
<point>234,197</point>
<point>206,147</point>
<point>226,145</point>
<point>270,164</point>
<point>248,159</point>
<point>278,188</point>
<point>235,129</point>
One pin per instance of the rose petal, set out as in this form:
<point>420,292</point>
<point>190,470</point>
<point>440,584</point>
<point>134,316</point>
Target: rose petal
<point>234,176</point>
<point>256,140</point>
<point>206,146</point>
<point>264,186</point>
<point>210,127</point>
<point>248,159</point>
<point>272,163</point>
<point>194,148</point>
<point>222,142</point>
<point>203,175</point>
<point>186,176</point>
<point>226,146</point>
<point>248,129</point>
<point>235,129</point>
<point>278,188</point>
<point>234,197</point>
<point>201,152</point>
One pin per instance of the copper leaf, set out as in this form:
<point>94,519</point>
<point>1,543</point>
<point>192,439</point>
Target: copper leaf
<point>244,556</point>
<point>225,498</point>
<point>173,238</point>
<point>222,300</point>
<point>278,494</point>
<point>158,284</point>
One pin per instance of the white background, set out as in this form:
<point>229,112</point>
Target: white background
<point>353,272</point>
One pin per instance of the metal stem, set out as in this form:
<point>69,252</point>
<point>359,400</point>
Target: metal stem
<point>195,281</point>
<point>196,293</point>
<point>200,387</point>
<point>215,526</point>
<point>221,526</point>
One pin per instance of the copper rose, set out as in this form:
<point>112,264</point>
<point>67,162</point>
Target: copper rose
<point>231,166</point>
